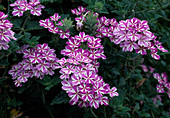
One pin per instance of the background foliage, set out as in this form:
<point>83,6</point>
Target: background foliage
<point>46,99</point>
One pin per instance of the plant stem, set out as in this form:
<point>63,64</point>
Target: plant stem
<point>133,10</point>
<point>23,26</point>
<point>8,8</point>
<point>127,77</point>
<point>134,57</point>
<point>5,69</point>
<point>93,113</point>
<point>163,7</point>
<point>50,113</point>
<point>105,116</point>
<point>44,102</point>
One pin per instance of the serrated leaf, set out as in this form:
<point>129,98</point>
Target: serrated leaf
<point>4,62</point>
<point>32,41</point>
<point>115,71</point>
<point>51,1</point>
<point>17,22</point>
<point>60,98</point>
<point>1,80</point>
<point>125,109</point>
<point>49,82</point>
<point>32,25</point>
<point>13,46</point>
<point>50,11</point>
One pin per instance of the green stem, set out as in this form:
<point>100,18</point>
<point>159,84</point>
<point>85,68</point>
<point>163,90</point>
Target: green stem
<point>105,116</point>
<point>133,10</point>
<point>164,53</point>
<point>44,102</point>
<point>127,77</point>
<point>163,7</point>
<point>8,8</point>
<point>134,57</point>
<point>93,113</point>
<point>23,26</point>
<point>41,93</point>
<point>166,18</point>
<point>50,113</point>
<point>5,69</point>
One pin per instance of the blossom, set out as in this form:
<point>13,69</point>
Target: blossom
<point>53,23</point>
<point>99,88</point>
<point>43,66</point>
<point>23,77</point>
<point>20,6</point>
<point>35,63</point>
<point>113,92</point>
<point>82,37</point>
<point>160,89</point>
<point>134,34</point>
<point>55,17</point>
<point>95,101</point>
<point>3,16</point>
<point>6,34</point>
<point>35,58</point>
<point>144,67</point>
<point>64,34</point>
<point>79,71</point>
<point>164,85</point>
<point>3,45</point>
<point>18,12</point>
<point>74,95</point>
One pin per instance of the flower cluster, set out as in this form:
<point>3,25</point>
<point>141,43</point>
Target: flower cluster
<point>20,6</point>
<point>148,70</point>
<point>81,12</point>
<point>163,83</point>
<point>134,34</point>
<point>106,27</point>
<point>155,99</point>
<point>52,24</point>
<point>79,72</point>
<point>145,69</point>
<point>5,31</point>
<point>37,62</point>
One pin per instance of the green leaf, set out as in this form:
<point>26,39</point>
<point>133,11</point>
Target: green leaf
<point>50,11</point>
<point>60,98</point>
<point>49,83</point>
<point>32,25</point>
<point>17,22</point>
<point>13,46</point>
<point>4,62</point>
<point>67,24</point>
<point>52,1</point>
<point>30,40</point>
<point>13,102</point>
<point>115,71</point>
<point>1,80</point>
<point>2,7</point>
<point>137,107</point>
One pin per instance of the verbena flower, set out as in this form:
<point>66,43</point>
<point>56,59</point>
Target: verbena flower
<point>20,6</point>
<point>37,62</point>
<point>134,34</point>
<point>155,99</point>
<point>79,72</point>
<point>6,34</point>
<point>164,85</point>
<point>54,26</point>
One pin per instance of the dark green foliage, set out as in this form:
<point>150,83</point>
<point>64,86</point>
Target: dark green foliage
<point>45,98</point>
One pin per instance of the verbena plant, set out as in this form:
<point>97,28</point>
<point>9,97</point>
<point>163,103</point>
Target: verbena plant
<point>108,58</point>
